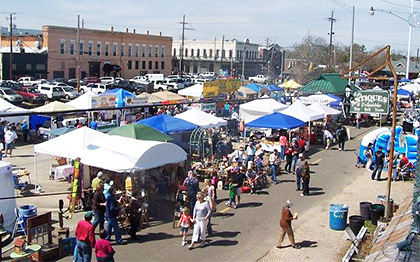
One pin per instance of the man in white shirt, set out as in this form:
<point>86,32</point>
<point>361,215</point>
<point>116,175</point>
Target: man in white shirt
<point>9,139</point>
<point>328,138</point>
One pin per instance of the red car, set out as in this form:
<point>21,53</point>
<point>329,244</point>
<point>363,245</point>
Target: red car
<point>31,95</point>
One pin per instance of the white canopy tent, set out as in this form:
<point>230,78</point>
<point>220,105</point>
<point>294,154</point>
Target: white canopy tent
<point>326,110</point>
<point>84,101</point>
<point>258,108</point>
<point>8,108</point>
<point>7,206</point>
<point>302,112</point>
<point>115,153</point>
<point>193,91</point>
<point>317,98</point>
<point>414,88</point>
<point>201,118</point>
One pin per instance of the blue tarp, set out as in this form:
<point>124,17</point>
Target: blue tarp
<point>274,87</point>
<point>37,121</point>
<point>167,124</point>
<point>276,121</point>
<point>121,94</point>
<point>403,92</point>
<point>255,87</point>
<point>335,103</point>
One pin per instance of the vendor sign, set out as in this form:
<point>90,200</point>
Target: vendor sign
<point>370,102</point>
<point>103,101</point>
<point>135,101</point>
<point>221,86</point>
<point>211,88</point>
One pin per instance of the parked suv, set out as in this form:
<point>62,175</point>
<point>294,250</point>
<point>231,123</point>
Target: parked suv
<point>69,92</point>
<point>31,95</point>
<point>52,92</point>
<point>94,87</point>
<point>10,96</point>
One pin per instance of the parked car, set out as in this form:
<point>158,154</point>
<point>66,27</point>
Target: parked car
<point>91,79</point>
<point>106,79</point>
<point>69,92</point>
<point>10,96</point>
<point>32,95</point>
<point>52,92</point>
<point>122,84</point>
<point>58,80</point>
<point>94,87</point>
<point>258,79</point>
<point>73,82</point>
<point>31,81</point>
<point>10,84</point>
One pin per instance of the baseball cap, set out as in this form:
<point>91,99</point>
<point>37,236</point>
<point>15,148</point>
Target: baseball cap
<point>89,215</point>
<point>99,174</point>
<point>300,155</point>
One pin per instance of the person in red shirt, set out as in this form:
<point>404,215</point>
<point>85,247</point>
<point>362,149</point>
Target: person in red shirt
<point>85,235</point>
<point>103,249</point>
<point>401,165</point>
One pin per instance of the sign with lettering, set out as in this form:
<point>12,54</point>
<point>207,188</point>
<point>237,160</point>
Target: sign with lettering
<point>370,102</point>
<point>221,86</point>
<point>103,101</point>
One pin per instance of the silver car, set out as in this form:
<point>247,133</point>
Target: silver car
<point>10,96</point>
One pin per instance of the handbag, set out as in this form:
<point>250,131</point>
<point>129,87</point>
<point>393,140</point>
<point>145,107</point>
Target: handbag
<point>245,189</point>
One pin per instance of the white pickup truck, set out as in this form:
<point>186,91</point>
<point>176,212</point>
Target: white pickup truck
<point>31,81</point>
<point>258,79</point>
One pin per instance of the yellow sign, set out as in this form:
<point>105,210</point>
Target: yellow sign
<point>221,86</point>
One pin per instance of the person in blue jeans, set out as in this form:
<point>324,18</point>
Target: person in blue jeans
<point>274,160</point>
<point>298,171</point>
<point>85,239</point>
<point>379,164</point>
<point>99,207</point>
<point>296,151</point>
<point>112,210</point>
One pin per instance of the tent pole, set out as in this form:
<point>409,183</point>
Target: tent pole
<point>309,134</point>
<point>35,172</point>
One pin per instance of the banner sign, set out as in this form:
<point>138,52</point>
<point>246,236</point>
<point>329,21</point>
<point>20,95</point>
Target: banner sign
<point>221,86</point>
<point>103,101</point>
<point>370,102</point>
<point>135,101</point>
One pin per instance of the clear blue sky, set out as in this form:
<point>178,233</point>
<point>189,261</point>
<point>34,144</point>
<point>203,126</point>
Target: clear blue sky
<point>283,21</point>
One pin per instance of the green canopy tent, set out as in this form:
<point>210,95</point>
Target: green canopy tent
<point>327,84</point>
<point>140,132</point>
<point>61,131</point>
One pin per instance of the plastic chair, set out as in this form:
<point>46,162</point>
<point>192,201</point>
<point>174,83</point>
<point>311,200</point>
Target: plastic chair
<point>20,225</point>
<point>19,185</point>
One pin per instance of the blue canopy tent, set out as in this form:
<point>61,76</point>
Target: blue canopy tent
<point>335,103</point>
<point>167,124</point>
<point>403,92</point>
<point>274,87</point>
<point>276,121</point>
<point>120,94</point>
<point>255,87</point>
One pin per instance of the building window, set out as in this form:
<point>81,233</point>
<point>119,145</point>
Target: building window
<point>144,51</point>
<point>150,65</point>
<point>211,53</point>
<point>137,65</point>
<point>72,47</point>
<point>62,46</point>
<point>204,53</point>
<point>114,49</point>
<point>237,54</point>
<point>192,52</point>
<point>107,48</point>
<point>143,64</point>
<point>174,51</point>
<point>130,50</point>
<point>40,67</point>
<point>28,67</point>
<point>223,54</point>
<point>130,65</point>
<point>217,53</point>
<point>90,48</point>
<point>150,51</point>
<point>246,54</point>
<point>230,54</point>
<point>198,53</point>
<point>157,51</point>
<point>137,50</point>
<point>98,48</point>
<point>162,65</point>
<point>186,52</point>
<point>156,65</point>
<point>163,49</point>
<point>82,48</point>
<point>122,49</point>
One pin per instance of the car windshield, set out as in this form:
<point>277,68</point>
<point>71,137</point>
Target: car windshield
<point>68,89</point>
<point>56,89</point>
<point>9,91</point>
<point>33,90</point>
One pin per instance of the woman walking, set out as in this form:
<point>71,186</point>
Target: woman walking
<point>201,216</point>
<point>305,178</point>
<point>286,225</point>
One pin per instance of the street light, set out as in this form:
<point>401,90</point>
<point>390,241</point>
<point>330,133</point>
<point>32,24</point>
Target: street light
<point>243,58</point>
<point>412,21</point>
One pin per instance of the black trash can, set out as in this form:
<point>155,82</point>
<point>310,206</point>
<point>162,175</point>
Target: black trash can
<point>356,223</point>
<point>364,209</point>
<point>376,211</point>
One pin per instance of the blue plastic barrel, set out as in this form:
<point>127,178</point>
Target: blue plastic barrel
<point>27,211</point>
<point>338,216</point>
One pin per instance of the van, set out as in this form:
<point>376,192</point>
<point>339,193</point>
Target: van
<point>155,76</point>
<point>52,92</point>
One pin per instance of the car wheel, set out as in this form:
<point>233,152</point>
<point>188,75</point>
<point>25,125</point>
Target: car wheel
<point>160,89</point>
<point>67,97</point>
<point>252,81</point>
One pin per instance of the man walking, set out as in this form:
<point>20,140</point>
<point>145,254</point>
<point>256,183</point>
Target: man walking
<point>85,236</point>
<point>275,161</point>
<point>112,210</point>
<point>379,164</point>
<point>342,137</point>
<point>99,207</point>
<point>298,171</point>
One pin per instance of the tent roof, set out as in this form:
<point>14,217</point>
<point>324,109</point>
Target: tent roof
<point>246,90</point>
<point>144,95</point>
<point>6,106</point>
<point>317,98</point>
<point>302,112</point>
<point>62,130</point>
<point>274,87</point>
<point>164,96</point>
<point>268,105</point>
<point>201,118</point>
<point>167,124</point>
<point>327,83</point>
<point>256,87</point>
<point>120,94</point>
<point>194,90</point>
<point>276,120</point>
<point>52,107</point>
<point>326,110</point>
<point>292,84</point>
<point>404,92</point>
<point>140,132</point>
<point>83,101</point>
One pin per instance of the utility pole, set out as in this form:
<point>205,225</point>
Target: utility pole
<point>78,54</point>
<point>271,58</point>
<point>221,54</point>
<point>214,53</point>
<point>332,20</point>
<point>11,46</point>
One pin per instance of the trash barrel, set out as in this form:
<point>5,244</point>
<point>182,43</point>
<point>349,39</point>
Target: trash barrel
<point>356,223</point>
<point>376,211</point>
<point>338,216</point>
<point>364,209</point>
<point>27,211</point>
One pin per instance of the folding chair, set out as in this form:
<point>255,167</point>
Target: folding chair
<point>20,225</point>
<point>19,185</point>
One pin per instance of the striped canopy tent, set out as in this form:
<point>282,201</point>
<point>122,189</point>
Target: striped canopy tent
<point>165,97</point>
<point>327,84</point>
<point>290,84</point>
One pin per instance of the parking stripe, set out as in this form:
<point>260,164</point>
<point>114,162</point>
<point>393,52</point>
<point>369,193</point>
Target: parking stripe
<point>224,210</point>
<point>316,162</point>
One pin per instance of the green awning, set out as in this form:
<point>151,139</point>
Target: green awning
<point>327,84</point>
<point>140,132</point>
